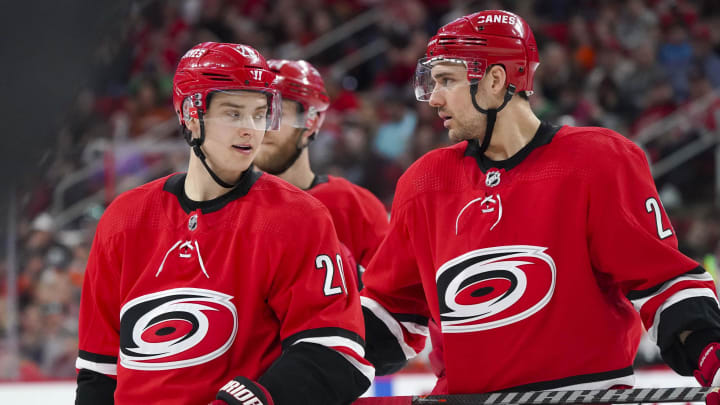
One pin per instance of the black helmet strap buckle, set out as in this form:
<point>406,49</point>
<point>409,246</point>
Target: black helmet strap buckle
<point>490,112</point>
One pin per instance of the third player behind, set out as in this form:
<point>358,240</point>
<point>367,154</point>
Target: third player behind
<point>360,218</point>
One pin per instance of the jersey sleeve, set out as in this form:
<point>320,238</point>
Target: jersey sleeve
<point>394,305</point>
<point>631,239</point>
<point>98,333</point>
<point>315,297</point>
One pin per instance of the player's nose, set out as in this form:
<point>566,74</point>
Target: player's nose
<point>436,100</point>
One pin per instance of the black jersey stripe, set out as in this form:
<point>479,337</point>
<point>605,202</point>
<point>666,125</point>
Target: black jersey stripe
<point>637,294</point>
<point>97,358</point>
<point>574,380</point>
<point>418,319</point>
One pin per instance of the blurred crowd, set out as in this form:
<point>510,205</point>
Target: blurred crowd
<point>649,69</point>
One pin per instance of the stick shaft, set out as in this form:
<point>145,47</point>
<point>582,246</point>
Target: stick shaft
<point>614,396</point>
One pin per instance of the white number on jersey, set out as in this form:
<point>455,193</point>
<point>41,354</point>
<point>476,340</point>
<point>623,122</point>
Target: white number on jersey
<point>324,261</point>
<point>652,206</point>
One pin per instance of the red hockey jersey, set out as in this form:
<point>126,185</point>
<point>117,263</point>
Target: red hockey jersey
<point>538,268</point>
<point>360,219</point>
<point>177,301</point>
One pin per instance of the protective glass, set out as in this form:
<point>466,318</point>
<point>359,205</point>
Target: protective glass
<point>254,109</point>
<point>447,75</point>
<point>296,116</point>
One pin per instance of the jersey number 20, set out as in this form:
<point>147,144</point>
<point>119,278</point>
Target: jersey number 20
<point>324,261</point>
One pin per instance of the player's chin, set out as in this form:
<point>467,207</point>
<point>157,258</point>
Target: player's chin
<point>239,164</point>
<point>241,167</point>
<point>456,136</point>
<point>263,162</point>
<point>264,165</point>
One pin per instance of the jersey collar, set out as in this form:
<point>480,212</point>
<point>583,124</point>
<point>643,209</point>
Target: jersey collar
<point>176,185</point>
<point>317,180</point>
<point>543,136</point>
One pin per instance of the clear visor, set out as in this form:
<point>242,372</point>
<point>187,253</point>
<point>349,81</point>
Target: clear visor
<point>440,74</point>
<point>255,109</point>
<point>295,115</point>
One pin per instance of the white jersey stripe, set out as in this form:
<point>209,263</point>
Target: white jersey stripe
<point>391,323</point>
<point>638,303</point>
<point>334,341</point>
<point>366,370</point>
<point>102,368</point>
<point>416,328</point>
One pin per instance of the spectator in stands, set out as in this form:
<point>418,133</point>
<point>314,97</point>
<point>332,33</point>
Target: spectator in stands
<point>704,56</point>
<point>646,73</point>
<point>675,56</point>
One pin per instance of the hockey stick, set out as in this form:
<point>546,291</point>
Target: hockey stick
<point>614,396</point>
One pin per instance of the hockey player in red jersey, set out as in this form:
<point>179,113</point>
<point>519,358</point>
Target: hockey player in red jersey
<point>360,218</point>
<point>537,249</point>
<point>199,289</point>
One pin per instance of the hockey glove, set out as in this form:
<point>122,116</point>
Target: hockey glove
<point>707,373</point>
<point>242,391</point>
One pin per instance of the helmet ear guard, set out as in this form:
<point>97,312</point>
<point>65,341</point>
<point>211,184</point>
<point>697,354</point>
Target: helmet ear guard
<point>190,107</point>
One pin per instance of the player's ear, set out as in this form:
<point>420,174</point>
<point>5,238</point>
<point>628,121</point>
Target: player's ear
<point>194,126</point>
<point>497,77</point>
<point>308,134</point>
<point>306,137</point>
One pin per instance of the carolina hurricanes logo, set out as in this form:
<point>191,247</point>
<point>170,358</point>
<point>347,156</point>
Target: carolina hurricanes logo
<point>494,287</point>
<point>245,51</point>
<point>194,53</point>
<point>176,328</point>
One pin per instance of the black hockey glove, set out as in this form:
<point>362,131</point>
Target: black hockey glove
<point>242,391</point>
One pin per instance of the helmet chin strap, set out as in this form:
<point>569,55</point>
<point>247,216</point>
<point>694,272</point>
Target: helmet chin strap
<point>491,112</point>
<point>195,145</point>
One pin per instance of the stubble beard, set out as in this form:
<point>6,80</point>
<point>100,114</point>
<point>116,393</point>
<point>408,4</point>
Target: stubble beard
<point>280,160</point>
<point>464,132</point>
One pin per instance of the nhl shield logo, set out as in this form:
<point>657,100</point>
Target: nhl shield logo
<point>492,179</point>
<point>192,222</point>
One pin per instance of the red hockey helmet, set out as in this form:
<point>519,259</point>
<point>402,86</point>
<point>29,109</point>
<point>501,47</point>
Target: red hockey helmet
<point>480,40</point>
<point>301,82</point>
<point>209,67</point>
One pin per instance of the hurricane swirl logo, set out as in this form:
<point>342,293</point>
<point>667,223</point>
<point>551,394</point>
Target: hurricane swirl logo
<point>176,328</point>
<point>493,287</point>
